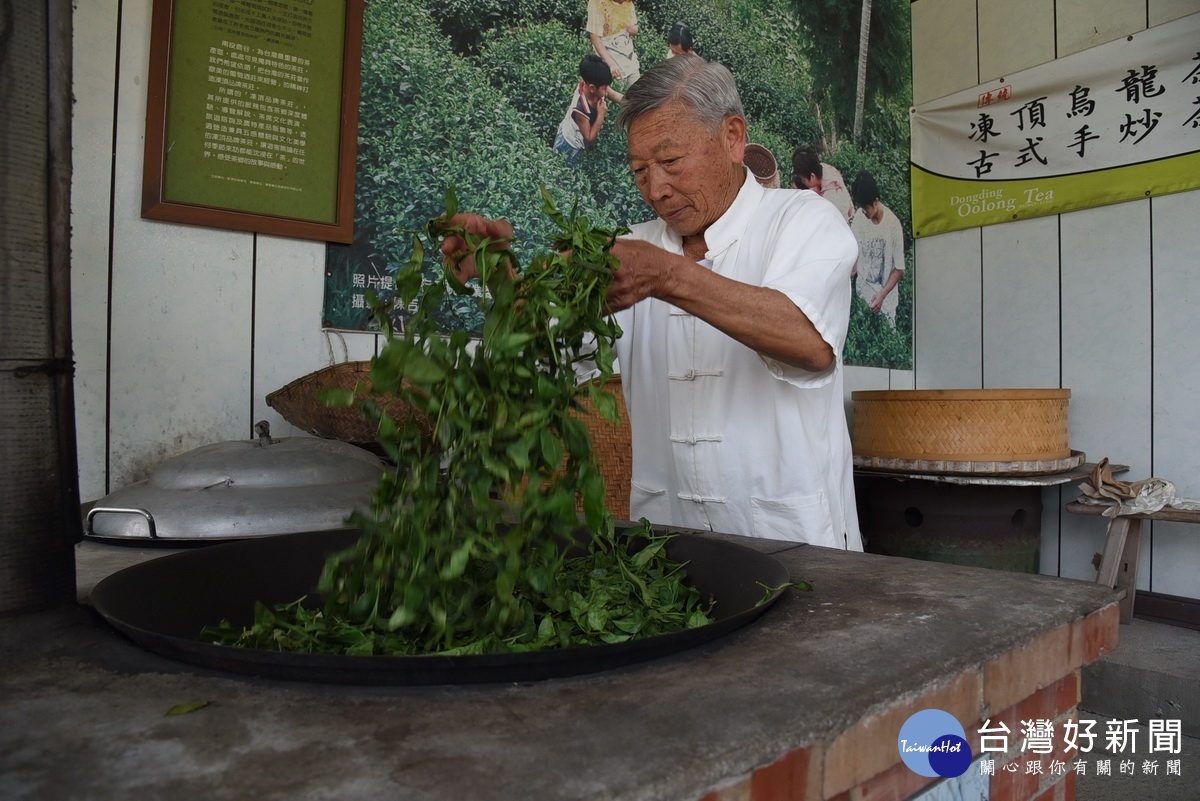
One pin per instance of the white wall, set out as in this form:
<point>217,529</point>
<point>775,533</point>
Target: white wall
<point>180,331</point>
<point>1100,301</point>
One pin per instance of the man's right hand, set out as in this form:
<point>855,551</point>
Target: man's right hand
<point>644,271</point>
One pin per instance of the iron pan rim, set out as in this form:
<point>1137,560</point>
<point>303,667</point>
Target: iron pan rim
<point>183,542</point>
<point>115,591</point>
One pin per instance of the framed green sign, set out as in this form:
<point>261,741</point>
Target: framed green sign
<point>252,115</point>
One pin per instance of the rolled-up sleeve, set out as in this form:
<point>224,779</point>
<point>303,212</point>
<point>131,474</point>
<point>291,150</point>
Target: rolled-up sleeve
<point>809,257</point>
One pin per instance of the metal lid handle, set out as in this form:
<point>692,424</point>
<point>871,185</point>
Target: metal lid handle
<point>95,510</point>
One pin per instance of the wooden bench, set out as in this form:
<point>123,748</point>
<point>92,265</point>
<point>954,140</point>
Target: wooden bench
<point>1119,562</point>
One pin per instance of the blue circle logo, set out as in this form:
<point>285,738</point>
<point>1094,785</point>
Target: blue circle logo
<point>933,743</point>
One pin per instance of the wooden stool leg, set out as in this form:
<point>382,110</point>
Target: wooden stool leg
<point>1114,549</point>
<point>1127,576</point>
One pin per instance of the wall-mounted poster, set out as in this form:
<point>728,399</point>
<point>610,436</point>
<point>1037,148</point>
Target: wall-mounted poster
<point>479,94</point>
<point>1117,122</point>
<point>251,115</point>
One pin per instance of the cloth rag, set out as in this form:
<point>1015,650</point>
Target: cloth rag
<point>1130,497</point>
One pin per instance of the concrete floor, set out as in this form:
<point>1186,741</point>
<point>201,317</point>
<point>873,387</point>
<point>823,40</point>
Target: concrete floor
<point>1139,785</point>
<point>1155,673</point>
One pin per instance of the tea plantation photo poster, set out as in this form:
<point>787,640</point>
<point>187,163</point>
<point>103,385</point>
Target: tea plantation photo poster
<point>470,94</point>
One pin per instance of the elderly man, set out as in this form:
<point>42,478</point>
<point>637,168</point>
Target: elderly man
<point>734,305</point>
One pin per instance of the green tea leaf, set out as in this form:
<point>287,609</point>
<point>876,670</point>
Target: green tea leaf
<point>421,369</point>
<point>552,452</point>
<point>336,397</point>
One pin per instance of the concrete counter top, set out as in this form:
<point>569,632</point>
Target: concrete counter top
<point>809,699</point>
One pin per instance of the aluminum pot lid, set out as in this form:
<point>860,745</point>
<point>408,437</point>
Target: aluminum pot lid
<point>242,488</point>
<point>287,462</point>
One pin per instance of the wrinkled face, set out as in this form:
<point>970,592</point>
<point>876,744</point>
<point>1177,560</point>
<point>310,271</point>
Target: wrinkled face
<point>686,173</point>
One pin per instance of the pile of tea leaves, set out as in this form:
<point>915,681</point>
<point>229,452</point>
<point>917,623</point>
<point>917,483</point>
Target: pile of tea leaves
<point>464,546</point>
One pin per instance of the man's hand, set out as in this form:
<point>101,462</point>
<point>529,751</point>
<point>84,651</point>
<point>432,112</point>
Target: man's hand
<point>456,254</point>
<point>643,271</point>
<point>762,319</point>
<point>877,301</point>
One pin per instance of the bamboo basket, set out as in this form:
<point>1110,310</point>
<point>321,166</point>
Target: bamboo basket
<point>762,164</point>
<point>976,425</point>
<point>300,404</point>
<point>613,446</point>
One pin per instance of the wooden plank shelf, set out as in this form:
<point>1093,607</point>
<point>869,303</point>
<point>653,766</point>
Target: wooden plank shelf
<point>1119,562</point>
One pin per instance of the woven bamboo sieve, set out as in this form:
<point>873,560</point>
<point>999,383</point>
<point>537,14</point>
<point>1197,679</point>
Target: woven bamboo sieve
<point>977,425</point>
<point>613,446</point>
<point>300,404</point>
<point>762,164</point>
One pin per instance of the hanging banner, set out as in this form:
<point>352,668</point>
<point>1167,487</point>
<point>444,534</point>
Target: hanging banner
<point>1117,122</point>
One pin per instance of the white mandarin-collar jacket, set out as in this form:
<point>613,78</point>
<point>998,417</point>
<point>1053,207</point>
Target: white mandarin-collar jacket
<point>725,439</point>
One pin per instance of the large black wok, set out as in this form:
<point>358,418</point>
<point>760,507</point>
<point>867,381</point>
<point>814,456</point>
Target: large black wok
<point>163,604</point>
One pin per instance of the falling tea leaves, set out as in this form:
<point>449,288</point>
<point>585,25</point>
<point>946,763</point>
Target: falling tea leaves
<point>466,547</point>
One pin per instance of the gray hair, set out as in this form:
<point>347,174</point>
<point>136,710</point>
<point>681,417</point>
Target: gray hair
<point>705,86</point>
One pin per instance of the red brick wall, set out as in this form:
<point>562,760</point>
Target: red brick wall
<point>1038,681</point>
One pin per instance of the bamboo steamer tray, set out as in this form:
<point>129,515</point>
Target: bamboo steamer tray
<point>973,430</point>
<point>1001,469</point>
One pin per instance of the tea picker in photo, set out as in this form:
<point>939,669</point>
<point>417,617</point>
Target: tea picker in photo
<point>809,172</point>
<point>611,25</point>
<point>581,126</point>
<point>880,248</point>
<point>679,41</point>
